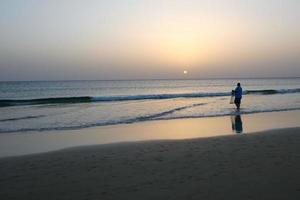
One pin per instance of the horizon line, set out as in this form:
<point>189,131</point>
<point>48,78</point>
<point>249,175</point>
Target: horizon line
<point>157,79</point>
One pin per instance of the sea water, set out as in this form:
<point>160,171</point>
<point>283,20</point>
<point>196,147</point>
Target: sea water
<point>59,105</point>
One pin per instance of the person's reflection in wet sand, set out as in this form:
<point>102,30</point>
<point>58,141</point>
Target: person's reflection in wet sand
<point>237,124</point>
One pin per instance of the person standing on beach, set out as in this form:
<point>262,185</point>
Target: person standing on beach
<point>238,93</point>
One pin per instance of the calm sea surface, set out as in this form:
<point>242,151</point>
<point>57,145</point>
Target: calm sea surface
<point>58,105</point>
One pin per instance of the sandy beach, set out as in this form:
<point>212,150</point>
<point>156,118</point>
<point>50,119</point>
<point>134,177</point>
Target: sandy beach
<point>150,100</point>
<point>262,165</point>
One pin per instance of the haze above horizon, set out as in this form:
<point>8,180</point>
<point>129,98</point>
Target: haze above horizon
<point>140,39</point>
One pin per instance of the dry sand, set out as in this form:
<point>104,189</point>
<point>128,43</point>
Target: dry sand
<point>263,165</point>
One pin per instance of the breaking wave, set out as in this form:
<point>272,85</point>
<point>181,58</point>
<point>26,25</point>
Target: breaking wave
<point>90,99</point>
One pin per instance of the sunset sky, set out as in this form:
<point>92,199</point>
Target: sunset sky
<point>143,39</point>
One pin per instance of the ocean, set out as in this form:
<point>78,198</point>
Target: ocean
<point>60,105</point>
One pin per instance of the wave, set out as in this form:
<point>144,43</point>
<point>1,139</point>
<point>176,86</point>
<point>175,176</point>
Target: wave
<point>90,99</point>
<point>154,117</point>
<point>107,123</point>
<point>266,92</point>
<point>21,118</point>
<point>58,100</point>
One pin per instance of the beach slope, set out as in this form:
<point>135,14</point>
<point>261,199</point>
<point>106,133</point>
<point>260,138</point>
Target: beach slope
<point>263,165</point>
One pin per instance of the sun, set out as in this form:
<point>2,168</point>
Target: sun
<point>185,72</point>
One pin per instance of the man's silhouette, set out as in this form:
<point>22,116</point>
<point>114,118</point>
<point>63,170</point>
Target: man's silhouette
<point>238,93</point>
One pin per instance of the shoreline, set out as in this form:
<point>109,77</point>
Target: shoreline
<point>140,142</point>
<point>261,165</point>
<point>33,143</point>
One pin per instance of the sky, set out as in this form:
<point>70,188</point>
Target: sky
<point>142,39</point>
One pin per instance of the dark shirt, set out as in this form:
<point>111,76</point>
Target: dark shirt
<point>238,92</point>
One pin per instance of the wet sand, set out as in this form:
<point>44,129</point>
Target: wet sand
<point>15,144</point>
<point>264,165</point>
